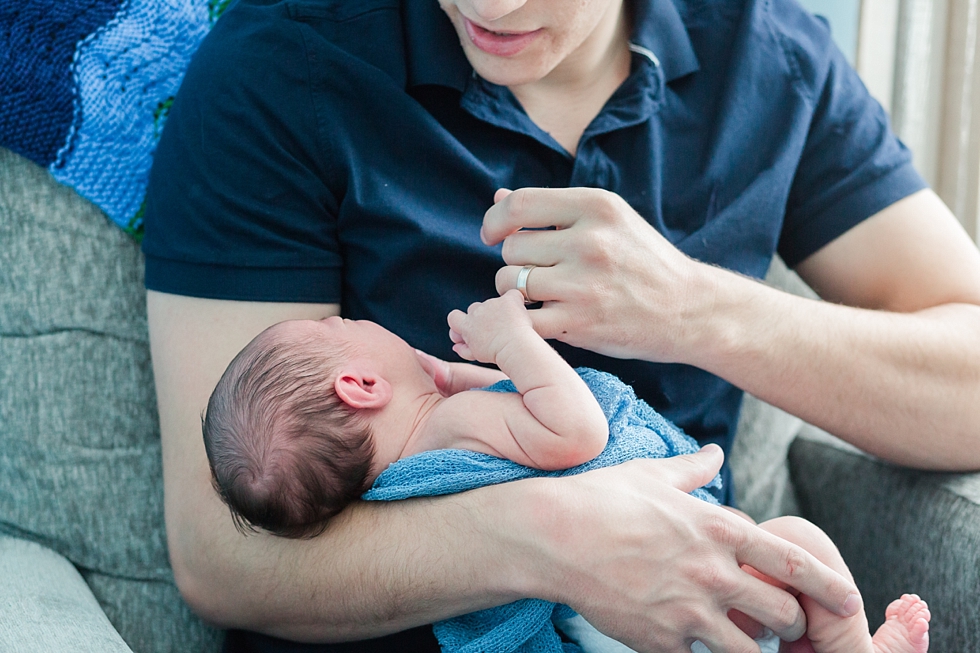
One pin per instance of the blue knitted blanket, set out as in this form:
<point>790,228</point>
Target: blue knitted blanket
<point>635,431</point>
<point>85,87</point>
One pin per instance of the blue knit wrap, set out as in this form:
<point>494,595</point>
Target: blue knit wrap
<point>85,87</point>
<point>635,431</point>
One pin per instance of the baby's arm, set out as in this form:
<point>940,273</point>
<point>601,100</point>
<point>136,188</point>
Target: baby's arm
<point>568,426</point>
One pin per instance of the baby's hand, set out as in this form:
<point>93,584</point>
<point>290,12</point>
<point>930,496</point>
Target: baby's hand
<point>483,331</point>
<point>439,370</point>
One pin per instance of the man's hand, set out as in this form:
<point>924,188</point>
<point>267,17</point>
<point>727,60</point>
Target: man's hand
<point>655,568</point>
<point>487,328</point>
<point>608,280</point>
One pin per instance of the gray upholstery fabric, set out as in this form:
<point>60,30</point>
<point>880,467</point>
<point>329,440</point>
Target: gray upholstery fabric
<point>151,614</point>
<point>899,531</point>
<point>80,467</point>
<point>45,605</point>
<point>760,470</point>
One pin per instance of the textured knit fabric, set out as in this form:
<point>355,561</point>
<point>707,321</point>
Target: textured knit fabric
<point>85,86</point>
<point>635,431</point>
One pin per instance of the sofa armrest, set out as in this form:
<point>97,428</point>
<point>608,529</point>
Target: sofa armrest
<point>47,606</point>
<point>899,530</point>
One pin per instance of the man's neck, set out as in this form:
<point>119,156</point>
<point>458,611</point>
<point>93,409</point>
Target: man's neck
<point>565,101</point>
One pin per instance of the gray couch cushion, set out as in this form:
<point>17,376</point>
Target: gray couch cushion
<point>899,531</point>
<point>80,466</point>
<point>46,606</point>
<point>151,614</point>
<point>80,456</point>
<point>760,469</point>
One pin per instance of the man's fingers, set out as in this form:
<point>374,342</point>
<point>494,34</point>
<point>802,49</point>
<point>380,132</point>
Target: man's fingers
<point>539,283</point>
<point>725,636</point>
<point>746,624</point>
<point>543,247</point>
<point>501,194</point>
<point>532,208</point>
<point>794,566</point>
<point>771,606</point>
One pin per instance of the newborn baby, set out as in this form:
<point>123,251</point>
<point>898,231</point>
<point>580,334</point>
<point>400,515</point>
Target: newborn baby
<point>310,413</point>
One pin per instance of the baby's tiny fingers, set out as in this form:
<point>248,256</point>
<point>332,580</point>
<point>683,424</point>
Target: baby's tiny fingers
<point>455,336</point>
<point>463,351</point>
<point>455,317</point>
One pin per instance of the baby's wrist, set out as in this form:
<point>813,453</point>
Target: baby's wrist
<point>517,349</point>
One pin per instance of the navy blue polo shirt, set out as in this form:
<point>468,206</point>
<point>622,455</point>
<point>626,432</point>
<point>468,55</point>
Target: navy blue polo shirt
<point>344,151</point>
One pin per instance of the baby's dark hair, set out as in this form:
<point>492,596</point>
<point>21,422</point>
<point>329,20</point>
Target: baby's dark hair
<point>286,453</point>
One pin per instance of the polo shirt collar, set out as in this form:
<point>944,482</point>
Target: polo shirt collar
<point>435,56</point>
<point>658,28</point>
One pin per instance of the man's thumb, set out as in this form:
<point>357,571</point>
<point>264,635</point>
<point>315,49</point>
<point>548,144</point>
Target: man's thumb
<point>688,473</point>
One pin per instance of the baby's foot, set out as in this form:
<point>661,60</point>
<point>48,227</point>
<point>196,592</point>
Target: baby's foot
<point>906,627</point>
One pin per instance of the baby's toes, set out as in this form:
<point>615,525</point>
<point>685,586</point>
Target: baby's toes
<point>919,610</point>
<point>914,613</point>
<point>918,631</point>
<point>903,608</point>
<point>895,608</point>
<point>913,608</point>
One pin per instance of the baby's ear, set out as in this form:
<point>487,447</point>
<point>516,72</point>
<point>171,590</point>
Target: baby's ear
<point>359,388</point>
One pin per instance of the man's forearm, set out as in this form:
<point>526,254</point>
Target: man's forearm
<point>379,568</point>
<point>903,386</point>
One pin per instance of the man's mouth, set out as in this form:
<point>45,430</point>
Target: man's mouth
<point>501,44</point>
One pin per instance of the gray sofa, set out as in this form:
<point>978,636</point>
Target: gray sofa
<point>83,557</point>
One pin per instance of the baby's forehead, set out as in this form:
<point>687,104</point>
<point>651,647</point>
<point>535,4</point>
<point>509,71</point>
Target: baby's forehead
<point>289,330</point>
<point>307,337</point>
<point>292,333</point>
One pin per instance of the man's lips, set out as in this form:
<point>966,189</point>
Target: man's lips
<point>500,44</point>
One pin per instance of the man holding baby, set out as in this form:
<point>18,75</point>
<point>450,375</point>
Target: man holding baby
<point>394,160</point>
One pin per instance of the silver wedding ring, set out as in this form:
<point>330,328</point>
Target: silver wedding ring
<point>522,282</point>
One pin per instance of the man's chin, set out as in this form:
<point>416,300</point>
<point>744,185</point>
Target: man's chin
<point>506,71</point>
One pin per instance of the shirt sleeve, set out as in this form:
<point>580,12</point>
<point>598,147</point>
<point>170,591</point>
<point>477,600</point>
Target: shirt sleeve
<point>852,165</point>
<point>239,205</point>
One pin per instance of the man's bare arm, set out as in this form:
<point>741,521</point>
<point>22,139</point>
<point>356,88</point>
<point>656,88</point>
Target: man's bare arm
<point>381,568</point>
<point>891,362</point>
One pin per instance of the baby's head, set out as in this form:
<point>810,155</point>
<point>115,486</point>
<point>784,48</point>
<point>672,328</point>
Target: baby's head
<point>286,453</point>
